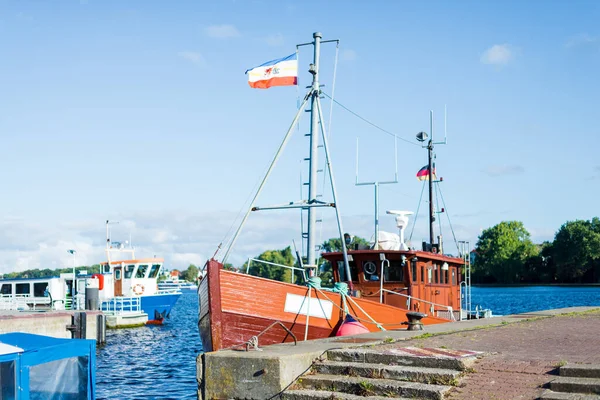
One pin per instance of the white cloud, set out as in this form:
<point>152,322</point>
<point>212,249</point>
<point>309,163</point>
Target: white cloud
<point>498,54</point>
<point>222,31</point>
<point>582,40</point>
<point>193,56</point>
<point>348,55</point>
<point>502,170</point>
<point>275,40</point>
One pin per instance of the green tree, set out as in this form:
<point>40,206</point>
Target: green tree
<point>502,251</point>
<point>191,273</point>
<point>282,257</point>
<point>576,251</point>
<point>335,244</point>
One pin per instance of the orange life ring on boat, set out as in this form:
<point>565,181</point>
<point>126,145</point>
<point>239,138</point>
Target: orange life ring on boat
<point>138,289</point>
<point>100,278</point>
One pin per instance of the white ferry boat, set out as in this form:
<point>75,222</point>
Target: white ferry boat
<point>123,285</point>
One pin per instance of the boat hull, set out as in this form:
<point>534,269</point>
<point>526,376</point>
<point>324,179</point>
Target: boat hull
<point>158,306</point>
<point>234,307</point>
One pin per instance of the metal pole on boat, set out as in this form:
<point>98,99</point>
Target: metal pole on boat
<point>334,194</point>
<point>314,147</point>
<point>262,184</point>
<point>74,284</point>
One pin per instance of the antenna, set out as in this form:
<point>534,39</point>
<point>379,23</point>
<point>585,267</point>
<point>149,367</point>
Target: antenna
<point>376,186</point>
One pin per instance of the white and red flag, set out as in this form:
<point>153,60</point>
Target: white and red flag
<point>280,72</point>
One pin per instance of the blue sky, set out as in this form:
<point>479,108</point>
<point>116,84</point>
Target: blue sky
<point>139,111</point>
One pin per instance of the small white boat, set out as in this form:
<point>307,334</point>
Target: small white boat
<point>183,286</point>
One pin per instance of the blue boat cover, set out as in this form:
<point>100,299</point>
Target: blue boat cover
<point>42,367</point>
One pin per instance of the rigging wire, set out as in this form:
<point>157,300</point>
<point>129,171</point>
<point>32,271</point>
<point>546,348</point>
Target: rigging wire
<point>417,213</point>
<point>369,122</point>
<point>449,222</point>
<point>325,170</point>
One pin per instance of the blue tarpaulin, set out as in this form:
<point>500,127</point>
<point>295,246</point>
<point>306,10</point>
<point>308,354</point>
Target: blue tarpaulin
<point>35,367</point>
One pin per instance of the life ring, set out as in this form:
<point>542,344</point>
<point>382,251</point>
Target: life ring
<point>138,289</point>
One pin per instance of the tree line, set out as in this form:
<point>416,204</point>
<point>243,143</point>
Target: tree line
<point>505,254</point>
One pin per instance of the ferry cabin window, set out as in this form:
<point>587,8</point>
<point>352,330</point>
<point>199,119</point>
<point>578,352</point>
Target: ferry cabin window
<point>394,273</point>
<point>141,272</point>
<point>129,271</point>
<point>154,271</point>
<point>422,274</point>
<point>429,274</point>
<point>22,288</point>
<point>435,274</point>
<point>342,271</point>
<point>106,268</point>
<point>454,276</point>
<point>39,289</point>
<point>6,288</point>
<point>414,271</point>
<point>118,274</point>
<point>442,272</point>
<point>446,280</point>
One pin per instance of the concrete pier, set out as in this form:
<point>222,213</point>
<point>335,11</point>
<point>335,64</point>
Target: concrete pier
<point>518,356</point>
<point>59,324</point>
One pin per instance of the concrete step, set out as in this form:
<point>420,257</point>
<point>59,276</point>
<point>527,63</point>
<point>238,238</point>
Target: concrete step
<point>396,372</point>
<point>580,370</point>
<point>575,385</point>
<point>409,356</point>
<point>322,394</point>
<point>373,387</point>
<point>550,395</point>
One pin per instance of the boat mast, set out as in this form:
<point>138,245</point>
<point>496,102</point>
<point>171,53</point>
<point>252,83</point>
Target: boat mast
<point>313,158</point>
<point>430,171</point>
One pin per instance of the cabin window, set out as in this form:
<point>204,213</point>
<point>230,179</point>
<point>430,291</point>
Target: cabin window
<point>141,271</point>
<point>342,271</point>
<point>429,275</point>
<point>422,274</point>
<point>129,271</point>
<point>394,273</point>
<point>8,381</point>
<point>436,275</point>
<point>454,276</point>
<point>106,268</point>
<point>446,280</point>
<point>117,274</point>
<point>6,289</point>
<point>442,276</point>
<point>39,289</point>
<point>370,271</point>
<point>154,270</point>
<point>22,288</point>
<point>414,271</point>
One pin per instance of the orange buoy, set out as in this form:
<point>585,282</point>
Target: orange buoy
<point>350,326</point>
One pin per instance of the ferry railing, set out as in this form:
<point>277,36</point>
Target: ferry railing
<point>302,271</point>
<point>22,301</point>
<point>432,306</point>
<point>120,305</point>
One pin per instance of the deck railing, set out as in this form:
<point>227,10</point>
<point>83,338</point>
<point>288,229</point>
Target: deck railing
<point>432,305</point>
<point>121,305</point>
<point>302,271</point>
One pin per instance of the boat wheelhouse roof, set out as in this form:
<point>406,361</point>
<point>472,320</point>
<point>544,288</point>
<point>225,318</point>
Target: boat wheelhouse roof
<point>407,253</point>
<point>43,278</point>
<point>137,261</point>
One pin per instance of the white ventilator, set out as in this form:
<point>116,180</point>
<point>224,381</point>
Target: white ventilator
<point>401,223</point>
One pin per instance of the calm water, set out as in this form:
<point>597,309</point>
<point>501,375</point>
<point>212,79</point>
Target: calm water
<point>153,362</point>
<point>515,300</point>
<point>159,362</point>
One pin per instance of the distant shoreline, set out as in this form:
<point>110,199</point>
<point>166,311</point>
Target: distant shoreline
<point>535,284</point>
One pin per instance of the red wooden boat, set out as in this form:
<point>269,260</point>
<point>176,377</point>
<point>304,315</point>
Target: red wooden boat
<point>377,286</point>
<point>235,307</point>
